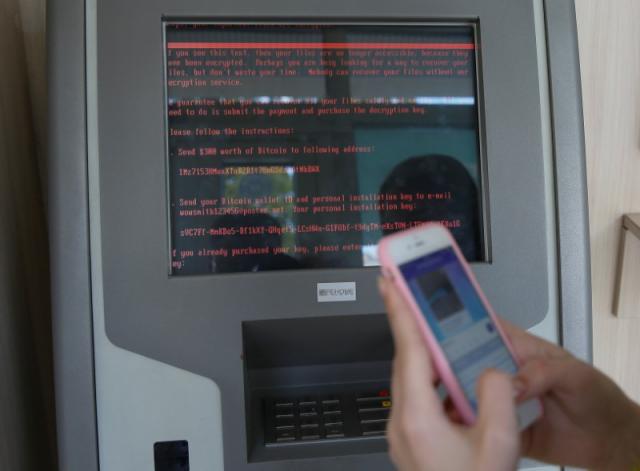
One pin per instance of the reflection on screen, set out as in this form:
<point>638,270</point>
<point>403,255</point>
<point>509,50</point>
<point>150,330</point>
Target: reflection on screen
<point>457,317</point>
<point>299,146</point>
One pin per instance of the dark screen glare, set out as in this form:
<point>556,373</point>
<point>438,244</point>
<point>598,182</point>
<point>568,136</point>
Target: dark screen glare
<point>300,146</point>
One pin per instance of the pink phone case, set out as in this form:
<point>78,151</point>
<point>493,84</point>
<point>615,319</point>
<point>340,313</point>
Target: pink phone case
<point>441,364</point>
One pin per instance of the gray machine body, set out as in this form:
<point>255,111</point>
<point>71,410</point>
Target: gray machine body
<point>118,315</point>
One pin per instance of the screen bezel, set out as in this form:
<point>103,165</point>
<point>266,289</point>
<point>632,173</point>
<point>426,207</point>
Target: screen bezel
<point>483,197</point>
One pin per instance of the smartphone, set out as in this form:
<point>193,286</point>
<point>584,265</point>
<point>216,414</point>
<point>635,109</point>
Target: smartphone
<point>459,326</point>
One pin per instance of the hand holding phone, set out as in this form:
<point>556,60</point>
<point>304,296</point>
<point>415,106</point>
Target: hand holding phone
<point>422,435</point>
<point>453,317</point>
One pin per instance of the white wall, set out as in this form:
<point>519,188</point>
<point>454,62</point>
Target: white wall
<point>610,55</point>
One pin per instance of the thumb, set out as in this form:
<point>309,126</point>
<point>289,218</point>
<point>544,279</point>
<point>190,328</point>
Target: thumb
<point>538,376</point>
<point>497,422</point>
<point>496,430</point>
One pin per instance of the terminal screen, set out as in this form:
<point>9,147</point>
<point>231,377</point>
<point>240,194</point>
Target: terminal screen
<point>300,146</point>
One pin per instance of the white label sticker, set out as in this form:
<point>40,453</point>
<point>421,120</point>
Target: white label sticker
<point>336,292</point>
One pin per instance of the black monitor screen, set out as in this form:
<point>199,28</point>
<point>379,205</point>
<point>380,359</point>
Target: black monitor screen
<point>299,146</point>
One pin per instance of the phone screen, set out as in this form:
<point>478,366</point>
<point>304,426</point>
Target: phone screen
<point>453,310</point>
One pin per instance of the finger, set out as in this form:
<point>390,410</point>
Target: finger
<point>495,400</point>
<point>526,345</point>
<point>413,374</point>
<point>396,383</point>
<point>497,423</point>
<point>540,375</point>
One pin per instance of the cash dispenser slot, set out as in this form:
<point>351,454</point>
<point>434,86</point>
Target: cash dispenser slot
<point>316,386</point>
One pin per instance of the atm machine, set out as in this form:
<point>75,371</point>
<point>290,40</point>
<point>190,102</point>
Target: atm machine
<point>220,175</point>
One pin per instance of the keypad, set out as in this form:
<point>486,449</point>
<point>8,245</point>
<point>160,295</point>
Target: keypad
<point>286,435</point>
<point>285,422</point>
<point>308,409</point>
<point>333,416</point>
<point>334,430</point>
<point>373,412</point>
<point>377,427</point>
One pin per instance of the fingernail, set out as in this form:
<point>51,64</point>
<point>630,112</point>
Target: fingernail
<point>519,387</point>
